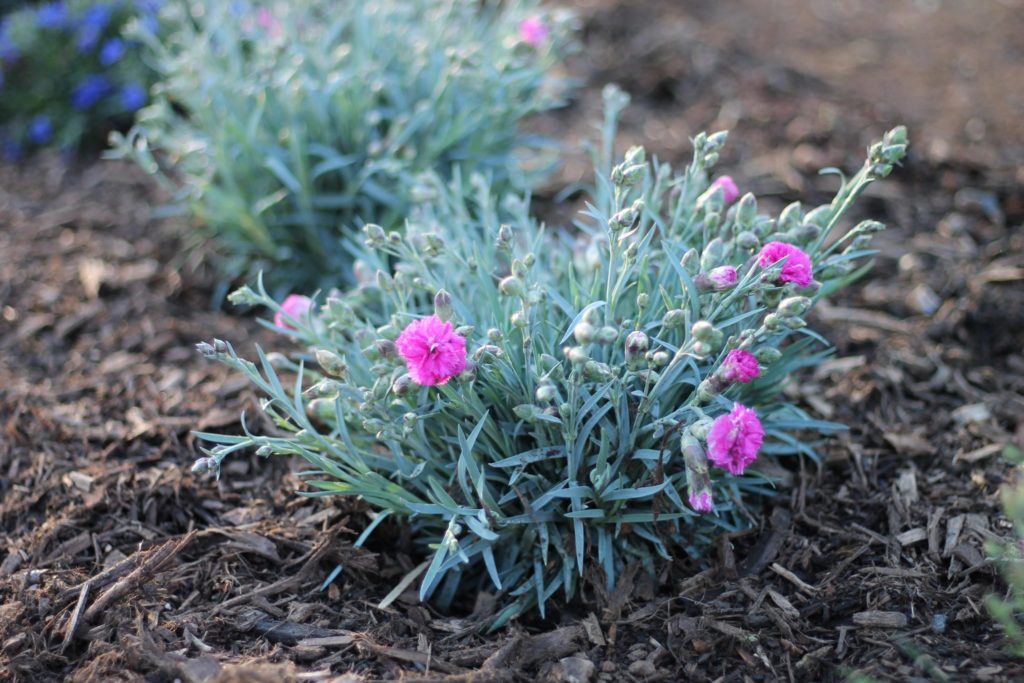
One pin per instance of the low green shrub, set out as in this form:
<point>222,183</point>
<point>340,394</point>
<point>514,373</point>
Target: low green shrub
<point>68,76</point>
<point>545,407</point>
<point>286,126</point>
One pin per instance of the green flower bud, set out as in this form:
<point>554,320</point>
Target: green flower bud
<point>564,409</point>
<point>529,260</point>
<point>768,355</point>
<point>714,254</point>
<point>661,358</point>
<point>468,373</point>
<point>386,348</point>
<point>793,306</point>
<point>321,409</point>
<point>599,372</point>
<point>674,318</point>
<point>635,155</point>
<point>805,233</point>
<point>519,319</point>
<point>717,140</point>
<point>511,286</point>
<point>607,335</point>
<point>443,305</point>
<point>526,411</point>
<point>791,216</point>
<point>384,281</point>
<point>375,235</point>
<point>331,362</point>
<point>746,211</point>
<point>703,331</point>
<point>772,322</point>
<point>504,234</point>
<point>691,261</point>
<point>584,332</point>
<point>518,268</point>
<point>546,393</point>
<point>747,240</point>
<point>819,216</point>
<point>642,300</point>
<point>576,355</point>
<point>495,335</point>
<point>465,331</point>
<point>794,323</point>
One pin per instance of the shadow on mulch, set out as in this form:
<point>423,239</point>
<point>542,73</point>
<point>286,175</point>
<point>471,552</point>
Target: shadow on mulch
<point>118,564</point>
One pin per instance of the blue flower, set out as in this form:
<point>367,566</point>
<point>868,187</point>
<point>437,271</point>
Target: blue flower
<point>111,51</point>
<point>90,91</point>
<point>52,15</point>
<point>8,50</point>
<point>94,21</point>
<point>40,130</point>
<point>133,97</point>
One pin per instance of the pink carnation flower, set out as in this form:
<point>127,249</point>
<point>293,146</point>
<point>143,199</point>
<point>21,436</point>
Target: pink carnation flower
<point>734,439</point>
<point>729,189</point>
<point>533,31</point>
<point>739,366</point>
<point>702,502</point>
<point>296,307</point>
<point>266,20</point>
<point>722,277</point>
<point>797,268</point>
<point>432,351</point>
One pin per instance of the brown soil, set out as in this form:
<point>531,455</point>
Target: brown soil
<point>118,564</point>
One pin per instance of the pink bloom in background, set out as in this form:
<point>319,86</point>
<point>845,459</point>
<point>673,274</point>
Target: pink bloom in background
<point>533,31</point>
<point>294,306</point>
<point>432,351</point>
<point>734,439</point>
<point>702,502</point>
<point>740,366</point>
<point>729,189</point>
<point>722,277</point>
<point>266,20</point>
<point>797,268</point>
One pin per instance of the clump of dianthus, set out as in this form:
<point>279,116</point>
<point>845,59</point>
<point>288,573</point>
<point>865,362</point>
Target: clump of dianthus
<point>734,439</point>
<point>432,351</point>
<point>797,268</point>
<point>533,31</point>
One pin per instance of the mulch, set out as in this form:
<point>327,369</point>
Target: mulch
<point>118,564</point>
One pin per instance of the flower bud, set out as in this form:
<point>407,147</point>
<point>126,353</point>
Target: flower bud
<point>747,240</point>
<point>529,260</point>
<point>768,355</point>
<point>746,211</point>
<point>504,234</point>
<point>713,255</point>
<point>794,322</point>
<point>519,319</point>
<point>635,155</point>
<point>511,286</point>
<point>321,409</point>
<point>791,216</point>
<point>637,343</point>
<point>518,268</point>
<point>691,262</point>
<point>332,363</point>
<point>819,216</point>
<point>576,355</point>
<point>642,300</point>
<point>526,411</point>
<point>546,393</point>
<point>401,385</point>
<point>384,281</point>
<point>495,335</point>
<point>599,372</point>
<point>703,331</point>
<point>244,296</point>
<point>718,279</point>
<point>805,233</point>
<point>203,465</point>
<point>772,322</point>
<point>584,332</point>
<point>607,335</point>
<point>468,373</point>
<point>386,348</point>
<point>443,305</point>
<point>487,350</point>
<point>674,318</point>
<point>793,306</point>
<point>717,140</point>
<point>661,358</point>
<point>375,235</point>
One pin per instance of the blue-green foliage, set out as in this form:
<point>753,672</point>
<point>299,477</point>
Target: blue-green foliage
<point>286,125</point>
<point>555,450</point>
<point>68,75</point>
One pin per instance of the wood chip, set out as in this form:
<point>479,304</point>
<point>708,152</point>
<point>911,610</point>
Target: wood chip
<point>877,619</point>
<point>328,641</point>
<point>784,604</point>
<point>979,453</point>
<point>593,630</point>
<point>953,528</point>
<point>792,578</point>
<point>912,536</point>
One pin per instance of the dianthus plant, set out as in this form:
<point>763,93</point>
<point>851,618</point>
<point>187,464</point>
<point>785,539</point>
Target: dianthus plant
<point>544,407</point>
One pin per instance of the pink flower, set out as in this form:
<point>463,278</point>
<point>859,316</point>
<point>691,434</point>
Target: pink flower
<point>722,277</point>
<point>739,366</point>
<point>296,307</point>
<point>533,31</point>
<point>734,439</point>
<point>729,189</point>
<point>266,20</point>
<point>797,268</point>
<point>432,351</point>
<point>702,502</point>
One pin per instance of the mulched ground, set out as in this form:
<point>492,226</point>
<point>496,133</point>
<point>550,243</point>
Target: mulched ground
<point>117,564</point>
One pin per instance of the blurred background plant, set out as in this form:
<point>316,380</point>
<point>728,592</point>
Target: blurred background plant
<point>1008,609</point>
<point>284,126</point>
<point>620,377</point>
<point>67,74</point>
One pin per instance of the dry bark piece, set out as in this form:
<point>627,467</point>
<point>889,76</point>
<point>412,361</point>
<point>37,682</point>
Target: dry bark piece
<point>880,619</point>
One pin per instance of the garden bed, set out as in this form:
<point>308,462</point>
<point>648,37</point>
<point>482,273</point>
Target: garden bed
<point>118,564</point>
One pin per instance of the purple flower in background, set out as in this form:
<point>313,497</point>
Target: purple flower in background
<point>40,130</point>
<point>8,50</point>
<point>133,97</point>
<point>90,91</point>
<point>111,51</point>
<point>52,15</point>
